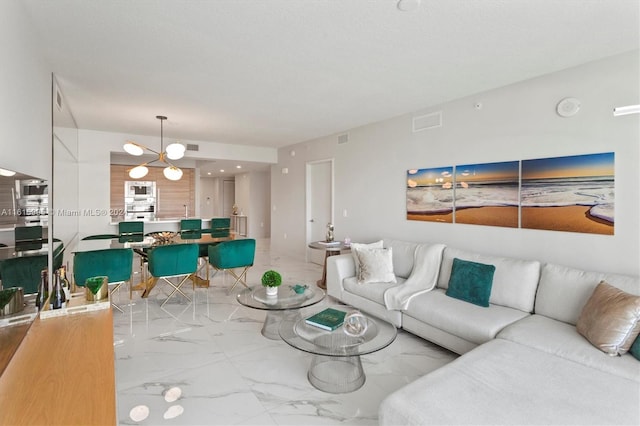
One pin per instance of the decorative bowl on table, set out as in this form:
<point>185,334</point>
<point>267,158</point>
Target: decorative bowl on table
<point>161,238</point>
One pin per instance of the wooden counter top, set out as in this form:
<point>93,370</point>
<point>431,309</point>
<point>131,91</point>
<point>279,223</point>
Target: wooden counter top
<point>62,373</point>
<point>10,339</point>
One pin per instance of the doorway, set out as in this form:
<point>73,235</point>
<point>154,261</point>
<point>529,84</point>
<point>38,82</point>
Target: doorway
<point>319,191</point>
<point>228,197</point>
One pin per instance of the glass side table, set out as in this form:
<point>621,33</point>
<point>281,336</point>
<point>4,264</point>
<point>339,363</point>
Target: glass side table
<point>287,299</point>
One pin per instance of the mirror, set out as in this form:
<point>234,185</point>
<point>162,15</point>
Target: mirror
<point>64,203</point>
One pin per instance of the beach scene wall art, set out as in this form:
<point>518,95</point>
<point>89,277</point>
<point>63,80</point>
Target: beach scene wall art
<point>487,194</point>
<point>574,193</point>
<point>430,194</point>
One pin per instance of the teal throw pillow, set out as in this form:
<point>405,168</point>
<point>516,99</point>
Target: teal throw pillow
<point>471,282</point>
<point>635,348</point>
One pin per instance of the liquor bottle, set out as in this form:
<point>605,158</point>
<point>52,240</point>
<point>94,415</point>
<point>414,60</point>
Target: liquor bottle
<point>58,299</point>
<point>43,290</point>
<point>66,286</point>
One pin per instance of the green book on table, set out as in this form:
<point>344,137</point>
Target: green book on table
<point>329,319</point>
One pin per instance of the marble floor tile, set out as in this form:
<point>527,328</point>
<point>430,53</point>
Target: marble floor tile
<point>205,361</point>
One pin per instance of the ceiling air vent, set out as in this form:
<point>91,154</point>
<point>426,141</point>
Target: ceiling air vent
<point>193,147</point>
<point>343,138</point>
<point>427,121</point>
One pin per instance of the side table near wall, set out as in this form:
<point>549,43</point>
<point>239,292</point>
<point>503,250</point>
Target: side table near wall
<point>330,249</point>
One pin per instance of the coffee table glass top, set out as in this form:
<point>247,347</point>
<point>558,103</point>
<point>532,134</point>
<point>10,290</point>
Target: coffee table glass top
<point>308,338</point>
<point>256,297</point>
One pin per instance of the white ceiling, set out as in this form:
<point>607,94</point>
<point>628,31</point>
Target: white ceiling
<point>276,72</point>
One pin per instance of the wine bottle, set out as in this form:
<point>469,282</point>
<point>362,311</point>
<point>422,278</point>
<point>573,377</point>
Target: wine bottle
<point>58,299</point>
<point>66,287</point>
<point>43,290</point>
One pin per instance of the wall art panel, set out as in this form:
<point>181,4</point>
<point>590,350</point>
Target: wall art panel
<point>487,194</point>
<point>574,193</point>
<point>430,194</point>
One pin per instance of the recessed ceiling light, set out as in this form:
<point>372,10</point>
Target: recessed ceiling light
<point>238,166</point>
<point>209,173</point>
<point>221,170</point>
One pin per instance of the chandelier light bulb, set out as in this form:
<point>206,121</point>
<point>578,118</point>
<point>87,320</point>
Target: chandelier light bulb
<point>172,173</point>
<point>175,151</point>
<point>133,148</point>
<point>138,172</point>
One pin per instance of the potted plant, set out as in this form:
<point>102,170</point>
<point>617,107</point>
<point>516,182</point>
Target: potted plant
<point>271,280</point>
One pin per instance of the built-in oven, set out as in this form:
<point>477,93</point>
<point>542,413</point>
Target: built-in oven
<point>140,189</point>
<point>33,189</point>
<point>32,202</point>
<point>140,200</point>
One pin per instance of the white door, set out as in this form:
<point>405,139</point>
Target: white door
<point>319,205</point>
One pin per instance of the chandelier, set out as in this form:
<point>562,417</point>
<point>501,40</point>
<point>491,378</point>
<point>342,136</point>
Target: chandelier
<point>174,151</point>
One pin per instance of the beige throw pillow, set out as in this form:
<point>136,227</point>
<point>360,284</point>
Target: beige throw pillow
<point>610,319</point>
<point>375,266</point>
<point>357,246</point>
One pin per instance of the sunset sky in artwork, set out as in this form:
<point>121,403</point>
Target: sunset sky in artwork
<point>488,172</point>
<point>568,167</point>
<point>426,177</point>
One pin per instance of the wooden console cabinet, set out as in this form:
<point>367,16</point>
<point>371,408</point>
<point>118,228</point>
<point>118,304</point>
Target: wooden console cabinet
<point>62,373</point>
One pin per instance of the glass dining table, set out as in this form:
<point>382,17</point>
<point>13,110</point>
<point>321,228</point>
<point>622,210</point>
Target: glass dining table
<point>142,244</point>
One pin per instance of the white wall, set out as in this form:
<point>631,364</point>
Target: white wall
<point>515,122</point>
<point>252,199</point>
<point>25,103</point>
<point>208,197</point>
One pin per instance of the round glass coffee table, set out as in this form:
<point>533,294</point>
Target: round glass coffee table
<point>336,366</point>
<point>287,299</point>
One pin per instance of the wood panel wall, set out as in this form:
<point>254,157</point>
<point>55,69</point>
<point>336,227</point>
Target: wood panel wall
<point>173,194</point>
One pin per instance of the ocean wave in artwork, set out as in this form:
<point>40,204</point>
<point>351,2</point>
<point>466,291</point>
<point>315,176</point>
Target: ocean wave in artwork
<point>431,199</point>
<point>596,192</point>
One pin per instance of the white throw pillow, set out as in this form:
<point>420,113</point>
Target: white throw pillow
<point>357,246</point>
<point>376,266</point>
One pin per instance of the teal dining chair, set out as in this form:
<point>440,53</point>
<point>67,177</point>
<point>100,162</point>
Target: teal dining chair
<point>114,263</point>
<point>220,227</point>
<point>191,229</point>
<point>231,255</point>
<point>28,233</point>
<point>23,272</point>
<point>172,261</point>
<point>100,237</point>
<point>131,228</point>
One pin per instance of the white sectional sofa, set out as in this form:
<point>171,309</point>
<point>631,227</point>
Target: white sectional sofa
<point>523,360</point>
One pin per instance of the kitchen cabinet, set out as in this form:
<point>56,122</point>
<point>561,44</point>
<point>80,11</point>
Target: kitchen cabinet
<point>171,196</point>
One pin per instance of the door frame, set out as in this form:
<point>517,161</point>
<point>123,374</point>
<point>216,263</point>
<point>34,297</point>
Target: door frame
<point>308,166</point>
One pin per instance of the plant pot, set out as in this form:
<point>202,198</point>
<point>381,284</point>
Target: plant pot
<point>271,291</point>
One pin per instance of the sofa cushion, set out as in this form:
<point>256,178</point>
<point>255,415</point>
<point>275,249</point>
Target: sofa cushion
<point>503,383</point>
<point>371,291</point>
<point>563,291</point>
<point>610,319</point>
<point>563,340</point>
<point>375,265</point>
<point>468,321</point>
<point>471,282</point>
<point>403,256</point>
<point>514,281</point>
<point>357,246</point>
